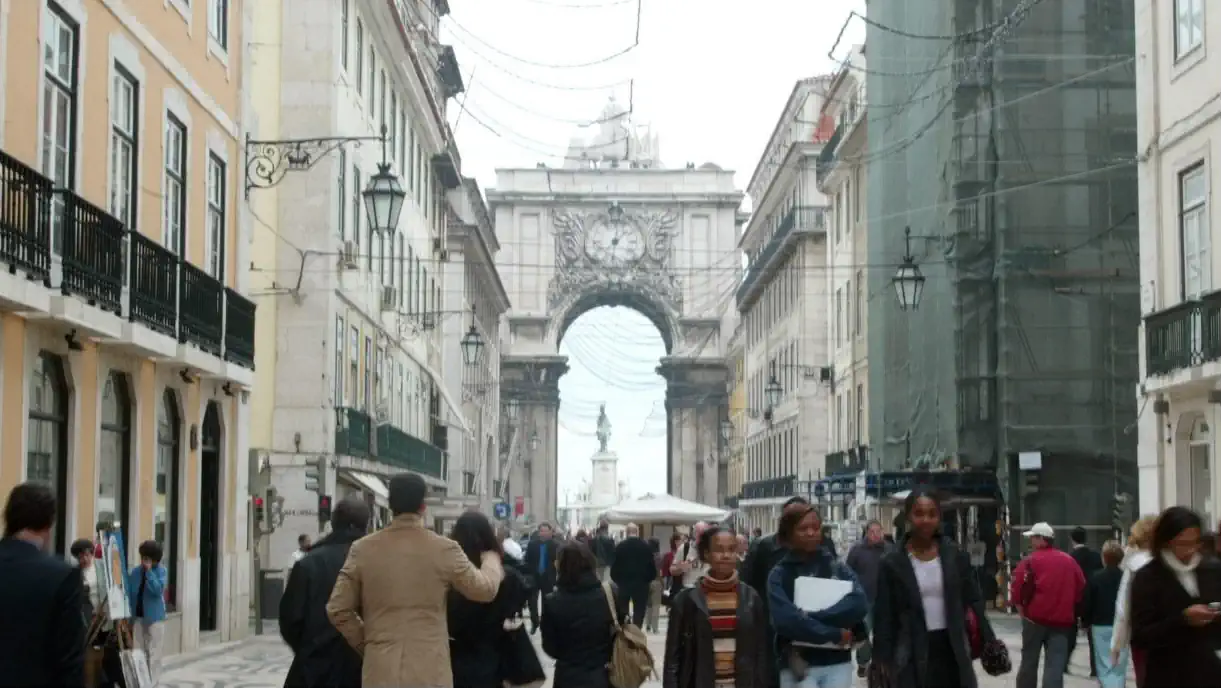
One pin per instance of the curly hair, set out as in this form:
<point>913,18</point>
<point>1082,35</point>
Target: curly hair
<point>475,535</point>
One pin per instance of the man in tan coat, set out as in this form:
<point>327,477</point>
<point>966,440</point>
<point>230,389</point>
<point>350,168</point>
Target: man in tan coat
<point>390,598</point>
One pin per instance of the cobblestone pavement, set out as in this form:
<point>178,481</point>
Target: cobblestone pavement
<point>262,661</point>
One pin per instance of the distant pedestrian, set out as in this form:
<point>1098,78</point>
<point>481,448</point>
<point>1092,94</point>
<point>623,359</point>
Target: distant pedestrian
<point>655,604</point>
<point>864,559</point>
<point>1089,562</point>
<point>1097,615</point>
<point>1047,587</point>
<point>541,563</point>
<point>718,632</point>
<point>604,548</point>
<point>1138,555</point>
<point>741,548</point>
<point>510,546</point>
<point>389,601</point>
<point>687,564</point>
<point>146,585</point>
<point>633,570</point>
<point>42,640</point>
<point>303,548</point>
<point>577,627</point>
<point>1175,613</point>
<point>321,656</point>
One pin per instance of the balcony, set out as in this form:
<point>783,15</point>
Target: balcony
<point>352,432</point>
<point>824,161</point>
<point>405,451</point>
<point>767,489</point>
<point>117,270</point>
<point>25,219</point>
<point>92,254</point>
<point>1184,336</point>
<point>799,221</point>
<point>448,72</point>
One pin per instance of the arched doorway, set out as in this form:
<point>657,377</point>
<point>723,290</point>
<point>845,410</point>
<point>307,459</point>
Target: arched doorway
<point>47,436</point>
<point>168,490</point>
<point>115,457</point>
<point>210,516</point>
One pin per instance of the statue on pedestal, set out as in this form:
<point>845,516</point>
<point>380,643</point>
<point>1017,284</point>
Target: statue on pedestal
<point>603,429</point>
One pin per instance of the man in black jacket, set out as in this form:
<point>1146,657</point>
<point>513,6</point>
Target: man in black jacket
<point>1089,561</point>
<point>754,570</point>
<point>540,561</point>
<point>42,642</point>
<point>321,657</point>
<point>633,568</point>
<point>604,549</point>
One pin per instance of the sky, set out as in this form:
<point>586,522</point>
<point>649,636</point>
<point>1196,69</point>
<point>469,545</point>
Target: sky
<point>710,77</point>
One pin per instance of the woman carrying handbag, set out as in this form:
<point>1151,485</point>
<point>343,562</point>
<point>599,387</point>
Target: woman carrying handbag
<point>929,622</point>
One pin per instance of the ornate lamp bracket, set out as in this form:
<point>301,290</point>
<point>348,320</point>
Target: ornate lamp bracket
<point>267,162</point>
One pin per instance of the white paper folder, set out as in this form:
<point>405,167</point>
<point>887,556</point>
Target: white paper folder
<point>813,594</point>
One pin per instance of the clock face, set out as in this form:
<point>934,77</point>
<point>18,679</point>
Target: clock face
<point>615,245</point>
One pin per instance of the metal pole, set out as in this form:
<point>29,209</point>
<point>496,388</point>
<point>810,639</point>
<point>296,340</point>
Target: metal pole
<point>257,594</point>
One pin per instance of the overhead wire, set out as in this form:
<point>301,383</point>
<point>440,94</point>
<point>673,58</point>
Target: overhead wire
<point>451,21</point>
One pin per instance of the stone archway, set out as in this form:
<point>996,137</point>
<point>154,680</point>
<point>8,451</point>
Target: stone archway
<point>655,241</point>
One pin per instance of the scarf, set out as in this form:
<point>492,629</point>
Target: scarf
<point>1184,571</point>
<point>722,597</point>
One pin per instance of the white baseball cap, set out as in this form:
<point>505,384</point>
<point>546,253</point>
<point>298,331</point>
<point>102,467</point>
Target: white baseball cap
<point>1041,529</point>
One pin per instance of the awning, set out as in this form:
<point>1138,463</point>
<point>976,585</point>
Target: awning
<point>370,484</point>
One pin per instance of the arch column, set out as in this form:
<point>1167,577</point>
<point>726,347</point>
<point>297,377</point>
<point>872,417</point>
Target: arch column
<point>532,382</point>
<point>696,398</point>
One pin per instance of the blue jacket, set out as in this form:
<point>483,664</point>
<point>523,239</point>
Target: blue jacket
<point>820,627</point>
<point>154,593</point>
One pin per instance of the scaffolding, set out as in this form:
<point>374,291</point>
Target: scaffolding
<point>1012,158</point>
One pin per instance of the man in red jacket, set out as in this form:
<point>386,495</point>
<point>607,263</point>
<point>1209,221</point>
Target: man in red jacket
<point>1046,587</point>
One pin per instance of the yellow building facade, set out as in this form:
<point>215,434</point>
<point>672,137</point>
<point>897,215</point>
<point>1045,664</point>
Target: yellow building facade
<point>126,343</point>
<point>737,408</point>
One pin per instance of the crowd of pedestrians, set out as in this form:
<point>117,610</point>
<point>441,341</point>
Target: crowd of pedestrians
<point>405,606</point>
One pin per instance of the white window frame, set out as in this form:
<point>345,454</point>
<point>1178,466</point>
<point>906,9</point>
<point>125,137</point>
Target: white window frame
<point>124,144</point>
<point>215,217</point>
<point>174,184</point>
<point>342,195</point>
<point>1189,25</point>
<point>218,24</point>
<point>1194,231</point>
<point>344,34</point>
<point>338,365</point>
<point>359,65</point>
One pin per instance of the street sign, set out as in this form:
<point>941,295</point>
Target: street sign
<point>501,510</point>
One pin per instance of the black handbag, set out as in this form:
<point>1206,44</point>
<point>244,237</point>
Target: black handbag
<point>520,665</point>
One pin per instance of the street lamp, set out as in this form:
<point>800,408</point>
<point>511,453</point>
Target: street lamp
<point>384,199</point>
<point>534,442</point>
<point>908,280</point>
<point>773,389</point>
<point>268,161</point>
<point>725,428</point>
<point>472,343</point>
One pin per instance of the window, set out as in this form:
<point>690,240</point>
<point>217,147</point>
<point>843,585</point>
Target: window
<point>370,80</point>
<point>215,249</point>
<point>357,206</point>
<point>218,22</point>
<point>1195,232</point>
<point>393,126</point>
<point>858,303</point>
<point>382,101</point>
<point>342,194</point>
<point>166,502</point>
<point>174,220</point>
<point>344,33</point>
<point>124,110</point>
<point>47,433</point>
<point>837,327</point>
<point>354,358</point>
<point>59,109</point>
<point>113,506</point>
<point>379,396</point>
<point>338,383</point>
<point>859,403</point>
<point>365,378</point>
<point>1188,26</point>
<point>412,152</point>
<point>359,54</point>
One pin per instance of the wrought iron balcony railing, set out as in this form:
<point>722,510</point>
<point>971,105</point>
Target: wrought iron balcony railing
<point>152,285</point>
<point>200,309</point>
<point>781,487</point>
<point>1183,336</point>
<point>25,219</point>
<point>352,432</point>
<point>403,450</point>
<point>798,219</point>
<point>92,254</point>
<point>239,329</point>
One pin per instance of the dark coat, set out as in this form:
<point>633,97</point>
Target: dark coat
<point>476,631</point>
<point>864,559</point>
<point>899,625</point>
<point>763,555</point>
<point>1178,655</point>
<point>1100,596</point>
<point>688,660</point>
<point>604,549</point>
<point>42,642</point>
<point>1088,559</point>
<point>321,657</point>
<point>546,580</point>
<point>633,563</point>
<point>576,630</point>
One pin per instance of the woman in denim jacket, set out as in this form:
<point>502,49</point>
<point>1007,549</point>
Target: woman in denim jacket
<point>146,586</point>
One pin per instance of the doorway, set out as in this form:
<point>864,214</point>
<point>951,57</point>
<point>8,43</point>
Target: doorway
<point>210,516</point>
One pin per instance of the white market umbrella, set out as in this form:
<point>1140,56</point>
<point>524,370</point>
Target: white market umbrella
<point>664,508</point>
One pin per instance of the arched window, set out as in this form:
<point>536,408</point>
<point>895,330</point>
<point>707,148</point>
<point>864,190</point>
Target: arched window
<point>166,500</point>
<point>115,456</point>
<point>47,436</point>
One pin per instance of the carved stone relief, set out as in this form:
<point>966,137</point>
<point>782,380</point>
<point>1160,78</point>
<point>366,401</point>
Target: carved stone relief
<point>614,250</point>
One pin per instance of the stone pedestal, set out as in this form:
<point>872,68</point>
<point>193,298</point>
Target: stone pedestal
<point>604,480</point>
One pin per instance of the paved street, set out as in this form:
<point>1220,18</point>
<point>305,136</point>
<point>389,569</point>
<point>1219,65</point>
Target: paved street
<point>263,661</point>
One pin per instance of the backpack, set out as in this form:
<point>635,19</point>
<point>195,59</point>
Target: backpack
<point>632,663</point>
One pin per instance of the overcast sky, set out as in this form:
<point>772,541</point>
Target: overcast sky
<point>711,78</point>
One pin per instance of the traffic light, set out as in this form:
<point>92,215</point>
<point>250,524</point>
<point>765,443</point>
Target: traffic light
<point>259,512</point>
<point>312,477</point>
<point>275,509</point>
<point>325,507</point>
<point>1031,484</point>
<point>1120,512</point>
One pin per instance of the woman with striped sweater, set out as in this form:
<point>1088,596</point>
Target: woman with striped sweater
<point>718,632</point>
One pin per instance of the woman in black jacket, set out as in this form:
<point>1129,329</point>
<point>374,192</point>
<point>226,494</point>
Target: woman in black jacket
<point>576,623</point>
<point>924,594</point>
<point>718,634</point>
<point>1097,609</point>
<point>1171,615</point>
<point>478,634</point>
